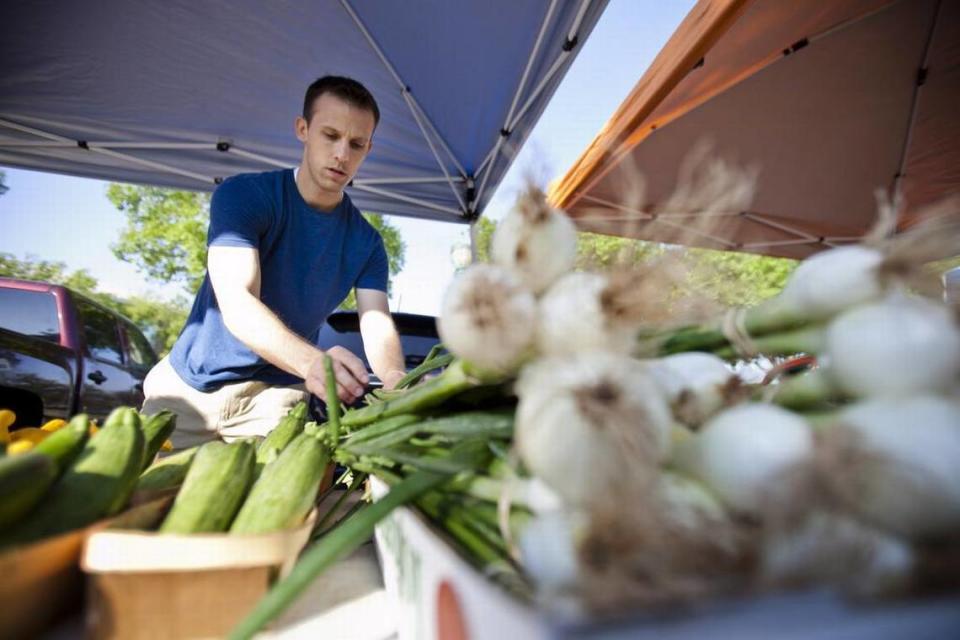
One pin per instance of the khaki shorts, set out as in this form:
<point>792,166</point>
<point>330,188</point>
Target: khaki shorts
<point>233,411</point>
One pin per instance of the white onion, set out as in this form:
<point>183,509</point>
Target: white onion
<point>897,463</point>
<point>831,281</point>
<point>836,549</point>
<point>535,241</point>
<point>742,450</point>
<point>689,505</point>
<point>488,318</point>
<point>697,384</point>
<point>579,313</point>
<point>900,345</point>
<point>591,425</point>
<point>548,549</point>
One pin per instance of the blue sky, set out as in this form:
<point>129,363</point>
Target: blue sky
<point>69,219</point>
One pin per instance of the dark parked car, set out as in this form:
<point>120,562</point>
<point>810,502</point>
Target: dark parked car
<point>62,353</point>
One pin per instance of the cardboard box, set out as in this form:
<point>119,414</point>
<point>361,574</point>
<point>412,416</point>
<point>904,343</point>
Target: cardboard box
<point>144,584</point>
<point>438,595</point>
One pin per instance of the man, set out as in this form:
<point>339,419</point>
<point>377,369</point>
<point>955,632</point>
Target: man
<point>285,248</point>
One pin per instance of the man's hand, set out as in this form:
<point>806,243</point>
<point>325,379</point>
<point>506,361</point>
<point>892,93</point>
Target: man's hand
<point>391,379</point>
<point>349,371</point>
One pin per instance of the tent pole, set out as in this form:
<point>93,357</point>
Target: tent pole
<point>573,38</point>
<point>778,243</point>
<point>121,156</point>
<point>256,156</point>
<point>685,229</point>
<point>505,132</point>
<point>402,198</point>
<point>530,60</point>
<point>780,227</point>
<point>403,86</point>
<point>424,180</point>
<point>408,98</point>
<point>897,186</point>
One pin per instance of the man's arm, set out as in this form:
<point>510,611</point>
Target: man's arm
<point>235,276</point>
<point>380,339</point>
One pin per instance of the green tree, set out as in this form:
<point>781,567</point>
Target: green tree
<point>736,279</point>
<point>165,235</point>
<point>33,268</point>
<point>160,321</point>
<point>396,250</point>
<point>3,187</point>
<point>726,277</point>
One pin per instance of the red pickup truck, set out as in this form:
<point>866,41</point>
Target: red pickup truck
<point>62,353</point>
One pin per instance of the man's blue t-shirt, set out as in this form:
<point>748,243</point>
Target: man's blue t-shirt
<point>309,261</point>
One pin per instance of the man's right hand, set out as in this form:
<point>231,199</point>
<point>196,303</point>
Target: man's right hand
<point>349,371</point>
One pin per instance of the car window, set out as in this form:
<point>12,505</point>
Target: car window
<point>100,330</point>
<point>32,313</point>
<point>141,353</point>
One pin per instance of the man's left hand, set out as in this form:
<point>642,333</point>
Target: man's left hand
<point>392,378</point>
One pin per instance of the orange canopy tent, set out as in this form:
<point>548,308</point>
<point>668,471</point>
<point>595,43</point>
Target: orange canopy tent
<point>829,99</point>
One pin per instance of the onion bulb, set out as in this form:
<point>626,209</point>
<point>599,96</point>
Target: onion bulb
<point>488,319</point>
<point>535,241</point>
<point>830,281</point>
<point>697,385</point>
<point>586,311</point>
<point>592,425</point>
<point>742,450</point>
<point>900,345</point>
<point>896,463</point>
<point>836,549</point>
<point>548,549</point>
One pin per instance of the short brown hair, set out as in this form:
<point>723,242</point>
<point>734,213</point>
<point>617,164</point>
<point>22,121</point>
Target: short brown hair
<point>347,89</point>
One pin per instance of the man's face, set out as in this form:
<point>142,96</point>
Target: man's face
<point>336,140</point>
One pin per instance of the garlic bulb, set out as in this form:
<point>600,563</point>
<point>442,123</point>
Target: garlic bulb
<point>742,450</point>
<point>488,319</point>
<point>591,426</point>
<point>535,241</point>
<point>896,463</point>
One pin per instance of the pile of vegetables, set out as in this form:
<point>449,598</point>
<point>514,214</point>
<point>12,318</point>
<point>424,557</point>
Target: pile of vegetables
<point>585,454</point>
<point>76,474</point>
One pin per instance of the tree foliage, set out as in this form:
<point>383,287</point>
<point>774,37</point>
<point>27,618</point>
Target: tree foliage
<point>726,277</point>
<point>165,234</point>
<point>3,186</point>
<point>395,247</point>
<point>160,321</point>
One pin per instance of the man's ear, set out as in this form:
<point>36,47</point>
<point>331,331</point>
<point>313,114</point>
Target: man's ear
<point>300,126</point>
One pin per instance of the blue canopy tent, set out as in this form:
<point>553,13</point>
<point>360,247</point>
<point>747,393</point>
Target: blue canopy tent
<point>181,93</point>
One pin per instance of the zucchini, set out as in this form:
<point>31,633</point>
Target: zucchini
<point>289,427</point>
<point>157,429</point>
<point>166,473</point>
<point>286,490</point>
<point>63,445</point>
<point>24,480</point>
<point>97,484</point>
<point>215,486</point>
